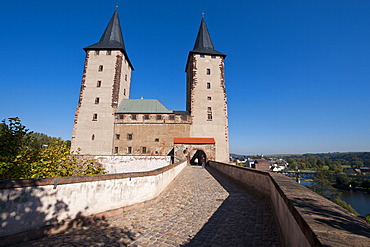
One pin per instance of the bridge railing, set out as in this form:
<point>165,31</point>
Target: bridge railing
<point>304,218</point>
<point>35,207</point>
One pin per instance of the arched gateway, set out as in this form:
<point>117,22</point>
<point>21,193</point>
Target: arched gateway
<point>191,148</point>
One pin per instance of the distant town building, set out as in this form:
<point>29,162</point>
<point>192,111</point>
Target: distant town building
<point>109,122</point>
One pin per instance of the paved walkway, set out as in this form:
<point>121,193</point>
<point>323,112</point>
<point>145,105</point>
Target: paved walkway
<point>201,208</point>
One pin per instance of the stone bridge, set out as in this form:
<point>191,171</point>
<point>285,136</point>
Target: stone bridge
<point>177,205</point>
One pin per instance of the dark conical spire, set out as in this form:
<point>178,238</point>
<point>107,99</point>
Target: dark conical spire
<point>203,43</point>
<point>112,38</point>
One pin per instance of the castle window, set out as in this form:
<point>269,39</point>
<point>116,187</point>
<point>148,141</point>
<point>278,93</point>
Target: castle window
<point>93,137</point>
<point>209,116</point>
<point>213,56</point>
<point>156,139</point>
<point>172,117</point>
<point>184,117</point>
<point>201,55</point>
<point>125,77</point>
<point>124,91</point>
<point>159,117</point>
<point>96,52</point>
<point>208,85</point>
<point>118,136</point>
<point>143,150</point>
<point>209,109</point>
<point>100,68</point>
<point>98,84</point>
<point>209,98</point>
<point>109,52</point>
<point>121,116</point>
<point>116,150</point>
<point>146,116</point>
<point>208,71</point>
<point>97,100</point>
<point>95,117</point>
<point>133,116</point>
<point>129,136</point>
<point>129,150</point>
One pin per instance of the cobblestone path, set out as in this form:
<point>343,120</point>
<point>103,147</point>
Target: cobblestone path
<point>201,208</point>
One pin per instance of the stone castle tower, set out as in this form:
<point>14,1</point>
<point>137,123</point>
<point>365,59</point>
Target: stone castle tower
<point>105,82</point>
<point>206,93</point>
<point>108,122</point>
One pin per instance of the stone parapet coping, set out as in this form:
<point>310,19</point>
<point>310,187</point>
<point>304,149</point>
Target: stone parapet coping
<point>304,217</point>
<point>19,183</point>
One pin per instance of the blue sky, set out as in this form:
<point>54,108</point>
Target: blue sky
<point>297,72</point>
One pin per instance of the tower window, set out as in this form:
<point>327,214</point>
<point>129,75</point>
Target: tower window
<point>208,85</point>
<point>96,52</point>
<point>124,91</point>
<point>118,136</point>
<point>129,136</point>
<point>209,109</point>
<point>159,117</point>
<point>121,116</point>
<point>95,117</point>
<point>172,117</point>
<point>213,56</point>
<point>209,98</point>
<point>98,84</point>
<point>109,52</point>
<point>201,55</point>
<point>116,150</point>
<point>93,137</point>
<point>156,139</point>
<point>97,100</point>
<point>209,116</point>
<point>146,116</point>
<point>129,150</point>
<point>100,68</point>
<point>184,117</point>
<point>125,77</point>
<point>133,116</point>
<point>143,150</point>
<point>208,71</point>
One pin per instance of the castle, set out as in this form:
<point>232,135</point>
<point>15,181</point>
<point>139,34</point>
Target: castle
<point>108,122</point>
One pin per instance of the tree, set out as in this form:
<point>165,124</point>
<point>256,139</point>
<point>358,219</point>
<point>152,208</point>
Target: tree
<point>322,186</point>
<point>24,154</point>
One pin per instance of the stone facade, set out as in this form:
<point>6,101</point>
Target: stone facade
<point>105,82</point>
<point>108,122</point>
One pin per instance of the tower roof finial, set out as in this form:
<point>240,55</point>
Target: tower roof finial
<point>202,14</point>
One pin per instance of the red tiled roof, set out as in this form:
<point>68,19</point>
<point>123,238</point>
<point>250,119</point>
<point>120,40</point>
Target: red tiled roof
<point>184,140</point>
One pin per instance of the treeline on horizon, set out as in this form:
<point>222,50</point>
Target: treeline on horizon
<point>331,160</point>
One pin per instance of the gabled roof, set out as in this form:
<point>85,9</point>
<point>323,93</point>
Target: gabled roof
<point>112,38</point>
<point>189,140</point>
<point>203,43</point>
<point>150,106</point>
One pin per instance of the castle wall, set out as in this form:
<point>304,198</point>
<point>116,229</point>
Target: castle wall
<point>207,101</point>
<point>102,89</point>
<point>154,135</point>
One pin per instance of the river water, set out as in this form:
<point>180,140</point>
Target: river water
<point>359,200</point>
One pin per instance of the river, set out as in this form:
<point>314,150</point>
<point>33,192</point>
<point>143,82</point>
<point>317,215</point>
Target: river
<point>359,200</point>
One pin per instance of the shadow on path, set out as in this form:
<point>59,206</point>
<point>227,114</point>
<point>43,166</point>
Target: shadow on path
<point>243,219</point>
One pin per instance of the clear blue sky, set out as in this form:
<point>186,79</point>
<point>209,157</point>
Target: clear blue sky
<point>297,72</point>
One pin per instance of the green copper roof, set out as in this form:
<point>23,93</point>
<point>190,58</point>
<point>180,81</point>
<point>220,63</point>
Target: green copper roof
<point>151,106</point>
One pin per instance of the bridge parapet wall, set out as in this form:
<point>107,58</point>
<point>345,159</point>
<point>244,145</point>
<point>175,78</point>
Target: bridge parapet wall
<point>304,217</point>
<point>44,204</point>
